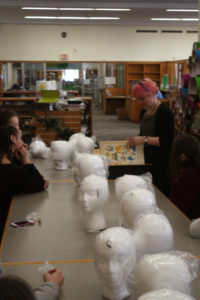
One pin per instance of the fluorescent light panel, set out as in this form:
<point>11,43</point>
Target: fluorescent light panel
<point>71,18</point>
<point>75,8</point>
<point>40,8</point>
<point>174,19</point>
<point>183,10</point>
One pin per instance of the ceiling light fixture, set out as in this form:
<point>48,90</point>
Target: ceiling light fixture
<point>40,17</point>
<point>74,8</point>
<point>174,19</point>
<point>71,18</point>
<point>183,10</point>
<point>40,8</point>
<point>113,9</point>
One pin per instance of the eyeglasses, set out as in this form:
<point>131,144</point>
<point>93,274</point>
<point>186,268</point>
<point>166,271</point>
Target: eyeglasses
<point>142,85</point>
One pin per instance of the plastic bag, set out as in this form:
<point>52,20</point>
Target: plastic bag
<point>135,202</point>
<point>127,183</point>
<point>195,228</point>
<point>172,270</point>
<point>83,144</point>
<point>152,233</point>
<point>165,294</point>
<point>115,260</point>
<point>86,164</point>
<point>62,153</point>
<point>39,149</point>
<point>93,195</point>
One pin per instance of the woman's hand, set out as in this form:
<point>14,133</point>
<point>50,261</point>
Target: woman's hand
<point>54,275</point>
<point>21,154</point>
<point>136,140</point>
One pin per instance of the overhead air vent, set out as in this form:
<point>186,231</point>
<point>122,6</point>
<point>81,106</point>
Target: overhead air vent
<point>147,31</point>
<point>171,31</point>
<point>191,31</point>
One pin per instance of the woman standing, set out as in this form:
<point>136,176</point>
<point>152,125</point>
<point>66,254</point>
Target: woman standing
<point>156,132</point>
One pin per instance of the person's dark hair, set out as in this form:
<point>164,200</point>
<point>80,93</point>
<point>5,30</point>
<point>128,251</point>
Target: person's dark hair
<point>187,145</point>
<point>6,115</point>
<point>5,140</point>
<point>15,288</point>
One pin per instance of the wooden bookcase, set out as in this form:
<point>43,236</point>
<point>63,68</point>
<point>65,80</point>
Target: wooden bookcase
<point>136,71</point>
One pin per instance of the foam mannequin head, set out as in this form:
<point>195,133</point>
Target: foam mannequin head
<point>169,271</point>
<point>152,234</point>
<point>135,202</point>
<point>86,164</point>
<point>83,144</point>
<point>38,149</point>
<point>93,195</point>
<point>195,228</point>
<point>165,294</point>
<point>62,154</point>
<point>115,261</point>
<point>126,183</point>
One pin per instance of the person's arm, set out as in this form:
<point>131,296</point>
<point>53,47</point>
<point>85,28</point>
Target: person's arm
<point>49,290</point>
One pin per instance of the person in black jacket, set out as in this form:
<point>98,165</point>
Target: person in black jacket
<point>156,132</point>
<point>15,178</point>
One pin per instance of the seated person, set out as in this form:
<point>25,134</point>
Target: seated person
<point>15,179</point>
<point>14,288</point>
<point>185,171</point>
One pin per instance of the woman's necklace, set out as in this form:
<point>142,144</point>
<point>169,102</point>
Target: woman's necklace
<point>152,109</point>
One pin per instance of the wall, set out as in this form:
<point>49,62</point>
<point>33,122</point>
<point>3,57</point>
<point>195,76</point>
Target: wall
<point>92,43</point>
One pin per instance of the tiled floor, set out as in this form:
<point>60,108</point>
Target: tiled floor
<point>109,128</point>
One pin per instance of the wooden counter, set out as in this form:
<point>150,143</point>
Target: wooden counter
<point>111,103</point>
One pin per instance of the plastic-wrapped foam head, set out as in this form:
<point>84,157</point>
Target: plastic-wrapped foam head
<point>127,183</point>
<point>38,149</point>
<point>94,192</point>
<point>195,228</point>
<point>135,202</point>
<point>152,234</point>
<point>115,261</point>
<point>169,271</point>
<point>62,154</point>
<point>165,294</point>
<point>83,143</point>
<point>86,164</point>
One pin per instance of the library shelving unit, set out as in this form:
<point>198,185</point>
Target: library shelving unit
<point>140,70</point>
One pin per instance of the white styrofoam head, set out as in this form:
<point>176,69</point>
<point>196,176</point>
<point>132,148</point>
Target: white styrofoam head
<point>115,259</point>
<point>165,294</point>
<point>86,164</point>
<point>127,183</point>
<point>94,192</point>
<point>82,143</point>
<point>169,271</point>
<point>62,154</point>
<point>195,228</point>
<point>39,149</point>
<point>135,202</point>
<point>152,234</point>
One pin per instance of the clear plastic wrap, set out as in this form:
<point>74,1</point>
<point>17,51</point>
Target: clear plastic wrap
<point>195,228</point>
<point>38,148</point>
<point>152,233</point>
<point>62,153</point>
<point>135,202</point>
<point>83,144</point>
<point>93,195</point>
<point>115,260</point>
<point>86,164</point>
<point>127,183</point>
<point>165,294</point>
<point>171,270</point>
